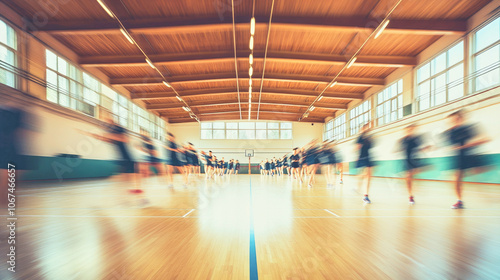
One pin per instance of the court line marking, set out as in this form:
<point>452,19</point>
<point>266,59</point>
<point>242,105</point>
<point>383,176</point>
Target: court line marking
<point>254,273</point>
<point>295,217</point>
<point>331,213</point>
<point>185,215</point>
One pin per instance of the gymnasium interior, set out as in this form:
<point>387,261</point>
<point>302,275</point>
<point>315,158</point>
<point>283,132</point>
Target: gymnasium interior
<point>247,80</point>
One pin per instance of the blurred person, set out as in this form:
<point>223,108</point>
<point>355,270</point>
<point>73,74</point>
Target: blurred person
<point>465,138</point>
<point>209,167</point>
<point>174,159</point>
<point>236,167</point>
<point>13,125</point>
<point>230,168</point>
<point>311,161</point>
<point>295,165</point>
<point>328,161</point>
<point>151,158</point>
<point>364,145</point>
<point>268,167</point>
<point>286,165</point>
<point>411,144</point>
<point>262,166</point>
<point>279,166</point>
<point>118,137</point>
<point>273,166</point>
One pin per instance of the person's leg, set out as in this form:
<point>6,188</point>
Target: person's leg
<point>458,187</point>
<point>368,179</point>
<point>4,183</point>
<point>409,179</point>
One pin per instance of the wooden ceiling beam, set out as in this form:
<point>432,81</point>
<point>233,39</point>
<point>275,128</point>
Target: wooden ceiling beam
<point>236,116</point>
<point>220,57</point>
<point>170,26</point>
<point>219,77</point>
<point>196,104</point>
<point>228,91</point>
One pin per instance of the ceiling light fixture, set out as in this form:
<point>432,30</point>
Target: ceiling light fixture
<point>106,8</point>
<point>321,97</point>
<point>250,71</point>
<point>125,33</point>
<point>167,84</point>
<point>351,62</point>
<point>333,84</point>
<point>252,26</point>
<point>150,63</point>
<point>179,98</point>
<point>382,28</point>
<point>251,43</point>
<point>250,81</point>
<point>186,109</point>
<point>250,59</point>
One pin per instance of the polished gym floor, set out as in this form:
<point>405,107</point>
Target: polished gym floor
<point>254,227</point>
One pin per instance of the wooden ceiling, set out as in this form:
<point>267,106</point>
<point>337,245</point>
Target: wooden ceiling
<point>191,42</point>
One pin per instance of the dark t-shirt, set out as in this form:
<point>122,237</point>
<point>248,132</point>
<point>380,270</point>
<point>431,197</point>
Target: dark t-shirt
<point>366,145</point>
<point>460,135</point>
<point>411,145</point>
<point>122,149</point>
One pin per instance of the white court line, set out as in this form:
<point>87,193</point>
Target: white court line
<point>331,213</point>
<point>362,217</point>
<point>92,216</point>
<point>188,213</point>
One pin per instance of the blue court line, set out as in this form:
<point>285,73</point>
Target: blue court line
<point>254,274</point>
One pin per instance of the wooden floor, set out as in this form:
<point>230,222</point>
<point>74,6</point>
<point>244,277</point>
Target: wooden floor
<point>97,230</point>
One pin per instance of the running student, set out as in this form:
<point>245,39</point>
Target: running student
<point>465,139</point>
<point>174,159</point>
<point>411,144</point>
<point>294,159</point>
<point>364,144</point>
<point>230,168</point>
<point>236,167</point>
<point>151,156</point>
<point>117,136</point>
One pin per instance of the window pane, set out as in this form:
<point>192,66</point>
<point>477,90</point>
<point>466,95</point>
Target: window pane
<point>205,125</point>
<point>218,125</point>
<point>260,125</point>
<point>286,134</point>
<point>424,72</point>
<point>487,58</point>
<point>3,32</point>
<point>231,134</point>
<point>219,134</point>
<point>231,125</point>
<point>261,134</point>
<point>438,64</point>
<point>287,125</point>
<point>456,74</point>
<point>62,66</point>
<point>247,134</point>
<point>455,92</point>
<point>63,85</point>
<point>487,35</point>
<point>456,54</point>
<point>206,134</point>
<point>400,86</point>
<point>247,125</point>
<point>51,60</point>
<point>273,134</point>
<point>273,125</point>
<point>51,78</point>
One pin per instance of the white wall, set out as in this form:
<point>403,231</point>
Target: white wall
<point>302,133</point>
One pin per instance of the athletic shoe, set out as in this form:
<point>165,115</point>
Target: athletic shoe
<point>366,200</point>
<point>412,201</point>
<point>458,205</point>
<point>341,181</point>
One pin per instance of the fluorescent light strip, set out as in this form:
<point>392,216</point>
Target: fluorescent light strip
<point>252,26</point>
<point>351,62</point>
<point>150,63</point>
<point>251,43</point>
<point>382,28</point>
<point>106,8</point>
<point>333,84</point>
<point>250,81</point>
<point>250,59</point>
<point>125,33</point>
<point>250,71</point>
<point>321,97</point>
<point>167,84</point>
<point>179,98</point>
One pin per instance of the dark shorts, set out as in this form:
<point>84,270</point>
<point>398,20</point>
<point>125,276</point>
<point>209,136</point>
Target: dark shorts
<point>125,166</point>
<point>364,162</point>
<point>295,165</point>
<point>470,161</point>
